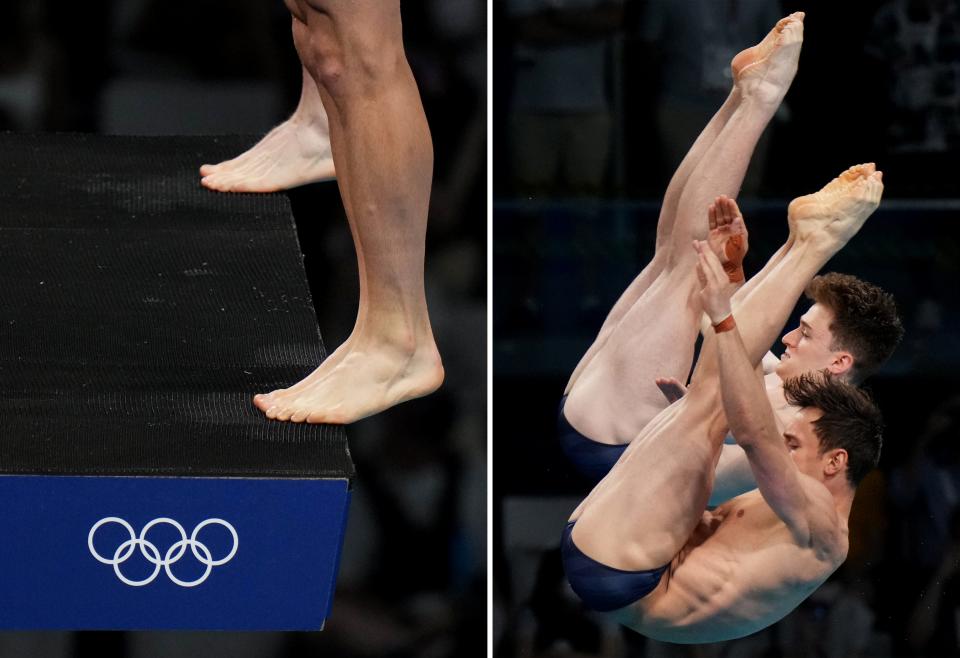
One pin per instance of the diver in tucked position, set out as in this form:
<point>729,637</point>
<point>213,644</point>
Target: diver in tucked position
<point>643,545</point>
<point>644,349</point>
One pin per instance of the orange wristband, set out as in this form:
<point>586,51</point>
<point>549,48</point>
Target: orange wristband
<point>734,273</point>
<point>725,324</point>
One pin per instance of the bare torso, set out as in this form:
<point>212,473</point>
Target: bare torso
<point>740,571</point>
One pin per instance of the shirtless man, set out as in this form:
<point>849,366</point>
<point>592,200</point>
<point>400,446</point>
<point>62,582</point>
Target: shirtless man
<point>613,392</point>
<point>360,115</point>
<point>642,545</point>
<point>848,332</point>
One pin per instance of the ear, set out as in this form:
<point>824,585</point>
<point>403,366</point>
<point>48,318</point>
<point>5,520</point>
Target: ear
<point>836,461</point>
<point>841,363</point>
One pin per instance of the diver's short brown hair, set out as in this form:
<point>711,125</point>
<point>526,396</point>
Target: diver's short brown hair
<point>865,321</point>
<point>851,420</point>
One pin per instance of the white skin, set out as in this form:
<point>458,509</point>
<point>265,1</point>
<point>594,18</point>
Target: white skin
<point>612,393</point>
<point>360,90</point>
<point>296,152</point>
<point>743,566</point>
<point>642,354</point>
<point>809,348</point>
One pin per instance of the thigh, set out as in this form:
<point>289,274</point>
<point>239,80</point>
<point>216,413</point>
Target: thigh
<point>616,394</point>
<point>642,513</point>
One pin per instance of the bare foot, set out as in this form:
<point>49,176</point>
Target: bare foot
<point>294,153</point>
<point>766,70</point>
<point>838,210</point>
<point>364,382</point>
<point>728,236</point>
<point>266,400</point>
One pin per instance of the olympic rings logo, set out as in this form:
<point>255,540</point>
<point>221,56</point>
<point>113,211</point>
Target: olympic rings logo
<point>150,551</point>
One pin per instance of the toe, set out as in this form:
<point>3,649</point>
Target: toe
<point>284,413</point>
<point>316,417</point>
<point>299,416</point>
<point>222,182</point>
<point>212,182</point>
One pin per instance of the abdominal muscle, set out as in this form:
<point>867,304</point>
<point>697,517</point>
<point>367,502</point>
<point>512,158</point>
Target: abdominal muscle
<point>740,572</point>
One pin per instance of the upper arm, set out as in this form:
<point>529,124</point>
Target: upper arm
<point>778,479</point>
<point>752,422</point>
<point>801,502</point>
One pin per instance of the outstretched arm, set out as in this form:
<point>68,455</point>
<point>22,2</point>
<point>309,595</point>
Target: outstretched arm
<point>748,411</point>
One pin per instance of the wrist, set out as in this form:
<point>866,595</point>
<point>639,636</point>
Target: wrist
<point>726,324</point>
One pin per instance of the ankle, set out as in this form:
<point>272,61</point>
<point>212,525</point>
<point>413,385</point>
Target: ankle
<point>309,118</point>
<point>399,337</point>
<point>817,244</point>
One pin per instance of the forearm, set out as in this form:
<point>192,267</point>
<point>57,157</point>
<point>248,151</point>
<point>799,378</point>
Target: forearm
<point>744,399</point>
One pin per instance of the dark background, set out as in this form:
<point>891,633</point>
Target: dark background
<point>563,254</point>
<point>413,570</point>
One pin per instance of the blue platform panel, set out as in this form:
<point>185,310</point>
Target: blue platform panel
<point>125,553</point>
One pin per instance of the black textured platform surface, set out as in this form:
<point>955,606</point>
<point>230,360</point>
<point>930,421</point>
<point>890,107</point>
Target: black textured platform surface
<point>140,312</point>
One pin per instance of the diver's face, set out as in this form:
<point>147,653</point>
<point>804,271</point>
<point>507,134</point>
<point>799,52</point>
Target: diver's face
<point>808,347</point>
<point>804,444</point>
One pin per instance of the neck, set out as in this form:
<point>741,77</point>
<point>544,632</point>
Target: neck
<point>843,495</point>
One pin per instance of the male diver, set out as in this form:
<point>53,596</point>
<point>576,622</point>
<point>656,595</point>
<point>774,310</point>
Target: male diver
<point>643,546</point>
<point>645,347</point>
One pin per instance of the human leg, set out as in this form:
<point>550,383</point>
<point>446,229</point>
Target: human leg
<point>384,159</point>
<point>820,224</point>
<point>619,524</point>
<point>748,66</point>
<point>294,153</point>
<point>616,392</point>
<point>665,221</point>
